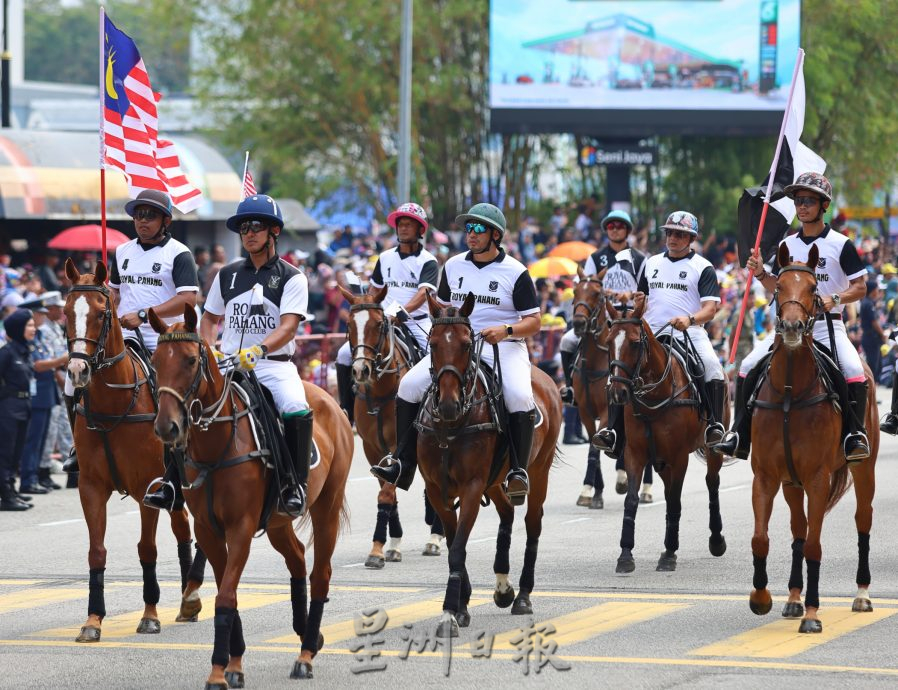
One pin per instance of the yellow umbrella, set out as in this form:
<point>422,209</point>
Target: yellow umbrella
<point>552,267</point>
<point>576,251</point>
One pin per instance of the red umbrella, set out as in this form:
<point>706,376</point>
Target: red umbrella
<point>87,238</point>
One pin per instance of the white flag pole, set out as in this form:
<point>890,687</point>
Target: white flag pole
<point>102,129</point>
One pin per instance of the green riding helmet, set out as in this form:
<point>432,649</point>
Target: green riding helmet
<point>622,216</point>
<point>484,213</point>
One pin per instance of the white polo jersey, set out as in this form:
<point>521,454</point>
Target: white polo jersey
<point>405,274</point>
<point>252,301</point>
<point>838,264</point>
<point>676,287</point>
<point>503,290</point>
<point>147,275</point>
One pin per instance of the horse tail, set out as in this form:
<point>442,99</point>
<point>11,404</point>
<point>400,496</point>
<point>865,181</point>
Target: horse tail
<point>839,485</point>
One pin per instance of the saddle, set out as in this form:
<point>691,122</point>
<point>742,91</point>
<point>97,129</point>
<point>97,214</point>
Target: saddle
<point>684,351</point>
<point>409,344</point>
<point>144,358</point>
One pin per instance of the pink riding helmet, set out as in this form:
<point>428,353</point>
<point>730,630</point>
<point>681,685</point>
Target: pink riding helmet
<point>409,210</point>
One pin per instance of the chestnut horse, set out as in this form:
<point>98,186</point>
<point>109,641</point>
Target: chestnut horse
<point>664,424</point>
<point>117,449</point>
<point>455,453</point>
<point>200,411</point>
<point>796,444</point>
<point>377,365</point>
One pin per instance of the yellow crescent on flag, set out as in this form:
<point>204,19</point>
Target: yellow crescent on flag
<point>110,83</point>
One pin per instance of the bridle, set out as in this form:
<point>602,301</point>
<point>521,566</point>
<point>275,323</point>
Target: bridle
<point>812,315</point>
<point>379,363</point>
<point>594,324</point>
<point>98,360</point>
<point>467,378</point>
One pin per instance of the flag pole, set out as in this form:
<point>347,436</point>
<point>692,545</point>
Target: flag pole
<point>243,179</point>
<point>102,133</point>
<point>749,276</point>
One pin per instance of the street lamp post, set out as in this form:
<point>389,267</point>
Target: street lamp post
<point>4,68</point>
<point>405,103</point>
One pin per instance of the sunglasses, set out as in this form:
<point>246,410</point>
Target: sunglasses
<point>616,226</point>
<point>476,228</point>
<point>678,234</point>
<point>146,214</point>
<point>253,226</point>
<point>806,200</point>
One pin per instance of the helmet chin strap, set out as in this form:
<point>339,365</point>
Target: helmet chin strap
<point>267,246</point>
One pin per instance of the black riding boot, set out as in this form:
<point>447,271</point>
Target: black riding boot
<point>168,496</point>
<point>567,366</point>
<point>399,467</point>
<point>737,442</point>
<point>610,438</point>
<point>344,390</point>
<point>521,426</point>
<point>298,434</point>
<point>856,445</point>
<point>70,466</point>
<point>890,423</point>
<point>716,391</point>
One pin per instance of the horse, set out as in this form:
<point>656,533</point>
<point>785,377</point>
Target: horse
<point>378,364</point>
<point>796,444</point>
<point>200,411</point>
<point>456,448</point>
<point>663,424</point>
<point>117,450</point>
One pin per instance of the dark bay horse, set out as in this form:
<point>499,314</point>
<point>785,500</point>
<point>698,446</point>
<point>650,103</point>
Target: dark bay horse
<point>117,449</point>
<point>455,453</point>
<point>801,450</point>
<point>664,424</point>
<point>200,411</point>
<point>378,363</point>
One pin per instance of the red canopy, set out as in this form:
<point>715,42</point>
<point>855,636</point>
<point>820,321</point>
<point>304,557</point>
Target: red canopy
<point>87,238</point>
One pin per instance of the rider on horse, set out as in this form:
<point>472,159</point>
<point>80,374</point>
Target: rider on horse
<point>262,300</point>
<point>506,311</point>
<point>407,271</point>
<point>683,292</point>
<point>840,280</point>
<point>619,279</point>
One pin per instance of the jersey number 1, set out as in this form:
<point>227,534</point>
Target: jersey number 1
<point>233,278</point>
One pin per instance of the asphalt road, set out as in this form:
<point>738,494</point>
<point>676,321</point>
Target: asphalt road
<point>690,628</point>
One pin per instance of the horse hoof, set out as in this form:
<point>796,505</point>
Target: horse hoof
<point>448,627</point>
<point>645,497</point>
<point>431,550</point>
<point>522,606</point>
<point>190,610</point>
<point>374,562</point>
<point>667,563</point>
<point>301,670</point>
<point>760,602</point>
<point>862,605</point>
<point>393,556</point>
<point>149,626</point>
<point>463,618</point>
<point>88,633</point>
<point>504,599</point>
<point>597,502</point>
<point>235,679</point>
<point>216,686</point>
<point>792,609</point>
<point>717,545</point>
<point>809,625</point>
<point>584,501</point>
<point>621,487</point>
<point>625,565</point>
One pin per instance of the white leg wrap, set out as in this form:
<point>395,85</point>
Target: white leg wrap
<point>502,583</point>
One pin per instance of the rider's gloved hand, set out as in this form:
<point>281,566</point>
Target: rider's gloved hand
<point>219,356</point>
<point>248,357</point>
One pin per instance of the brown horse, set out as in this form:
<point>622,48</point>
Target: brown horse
<point>800,450</point>
<point>455,452</point>
<point>200,410</point>
<point>377,365</point>
<point>117,449</point>
<point>590,374</point>
<point>664,424</point>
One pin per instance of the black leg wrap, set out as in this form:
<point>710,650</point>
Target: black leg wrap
<point>647,474</point>
<point>437,527</point>
<point>628,530</point>
<point>452,599</point>
<point>759,581</point>
<point>224,621</point>
<point>812,598</point>
<point>863,560</point>
<point>300,602</point>
<point>198,567</point>
<point>466,590</point>
<point>672,532</point>
<point>715,523</point>
<point>527,572</point>
<point>796,577</point>
<point>150,583</point>
<point>383,519</point>
<point>313,627</point>
<point>395,525</point>
<point>185,560</point>
<point>96,601</point>
<point>503,544</point>
<point>430,515</point>
<point>592,463</point>
<point>238,645</point>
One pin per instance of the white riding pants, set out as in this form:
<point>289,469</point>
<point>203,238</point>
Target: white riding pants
<point>282,379</point>
<point>705,350</point>
<point>570,341</point>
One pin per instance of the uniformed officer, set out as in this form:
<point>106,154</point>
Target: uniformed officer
<point>59,434</point>
<point>505,312</point>
<point>407,271</point>
<point>16,387</point>
<point>841,280</point>
<point>262,300</point>
<point>682,291</point>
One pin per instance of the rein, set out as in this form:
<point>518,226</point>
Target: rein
<point>98,360</point>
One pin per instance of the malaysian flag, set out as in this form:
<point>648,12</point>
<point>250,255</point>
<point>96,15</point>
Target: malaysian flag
<point>130,125</point>
<point>249,187</point>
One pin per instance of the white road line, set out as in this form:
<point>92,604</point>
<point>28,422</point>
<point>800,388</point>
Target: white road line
<point>60,522</point>
<point>353,565</point>
<point>653,503</point>
<point>735,488</point>
<point>477,541</point>
<point>362,479</point>
<point>580,519</point>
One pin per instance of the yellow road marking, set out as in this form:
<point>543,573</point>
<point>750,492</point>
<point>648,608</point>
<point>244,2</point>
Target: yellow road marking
<point>21,582</point>
<point>781,639</point>
<point>276,588</point>
<point>38,596</point>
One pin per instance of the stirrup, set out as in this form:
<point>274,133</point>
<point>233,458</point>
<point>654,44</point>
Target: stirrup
<point>287,494</point>
<point>567,396</point>
<point>516,486</point>
<point>861,451</point>
<point>158,499</point>
<point>599,442</point>
<point>715,427</point>
<point>389,469</point>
